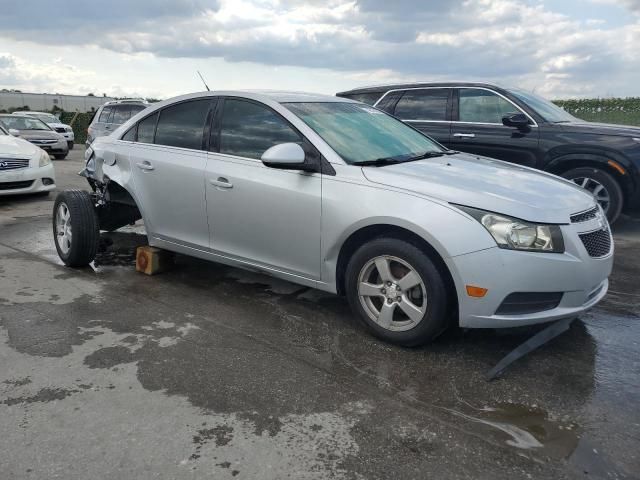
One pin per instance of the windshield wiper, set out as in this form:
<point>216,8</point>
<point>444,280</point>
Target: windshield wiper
<point>395,160</point>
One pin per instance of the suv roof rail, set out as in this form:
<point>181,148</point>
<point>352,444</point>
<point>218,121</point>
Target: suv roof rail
<point>126,100</point>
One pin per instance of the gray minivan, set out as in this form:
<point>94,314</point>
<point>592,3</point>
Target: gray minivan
<point>111,115</point>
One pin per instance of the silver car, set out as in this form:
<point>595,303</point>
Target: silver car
<point>37,132</point>
<point>111,115</point>
<point>337,195</point>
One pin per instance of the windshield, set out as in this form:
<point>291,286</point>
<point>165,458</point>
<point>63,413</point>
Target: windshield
<point>23,123</point>
<point>547,110</point>
<point>48,118</point>
<point>359,133</point>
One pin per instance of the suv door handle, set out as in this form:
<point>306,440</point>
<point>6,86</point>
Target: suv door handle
<point>146,166</point>
<point>221,182</point>
<point>464,135</point>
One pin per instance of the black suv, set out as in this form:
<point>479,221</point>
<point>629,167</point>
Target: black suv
<point>520,127</point>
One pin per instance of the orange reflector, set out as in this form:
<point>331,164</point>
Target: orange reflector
<point>617,167</point>
<point>477,292</point>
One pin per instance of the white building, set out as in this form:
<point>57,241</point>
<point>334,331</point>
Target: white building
<point>47,101</point>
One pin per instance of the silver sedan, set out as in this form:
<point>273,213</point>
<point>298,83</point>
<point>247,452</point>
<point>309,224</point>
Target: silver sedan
<point>339,196</point>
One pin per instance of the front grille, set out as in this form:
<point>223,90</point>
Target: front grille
<point>522,303</point>
<point>598,243</point>
<point>60,129</point>
<point>13,163</point>
<point>42,141</point>
<point>584,216</point>
<point>15,185</point>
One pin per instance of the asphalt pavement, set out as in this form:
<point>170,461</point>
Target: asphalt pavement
<point>207,371</point>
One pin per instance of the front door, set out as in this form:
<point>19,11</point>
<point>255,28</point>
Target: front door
<point>259,215</point>
<point>477,128</point>
<point>168,164</point>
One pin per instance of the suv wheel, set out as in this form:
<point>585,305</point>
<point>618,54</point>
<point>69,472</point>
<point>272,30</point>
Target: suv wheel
<point>397,291</point>
<point>603,187</point>
<point>70,145</point>
<point>60,156</point>
<point>75,228</point>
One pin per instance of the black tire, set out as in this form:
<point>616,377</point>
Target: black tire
<point>434,320</point>
<point>612,187</point>
<point>70,145</point>
<point>83,223</point>
<point>60,156</point>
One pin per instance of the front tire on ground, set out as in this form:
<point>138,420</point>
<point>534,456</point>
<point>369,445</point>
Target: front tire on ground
<point>60,156</point>
<point>70,145</point>
<point>602,185</point>
<point>75,228</point>
<point>397,292</point>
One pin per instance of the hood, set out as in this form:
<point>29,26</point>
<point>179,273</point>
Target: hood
<point>601,129</point>
<point>58,125</point>
<point>487,184</point>
<point>36,134</point>
<point>12,147</point>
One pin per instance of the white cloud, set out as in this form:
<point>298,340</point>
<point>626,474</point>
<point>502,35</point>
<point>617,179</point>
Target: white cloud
<point>510,41</point>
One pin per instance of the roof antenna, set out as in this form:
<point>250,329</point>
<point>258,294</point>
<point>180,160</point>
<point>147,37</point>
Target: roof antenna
<point>205,83</point>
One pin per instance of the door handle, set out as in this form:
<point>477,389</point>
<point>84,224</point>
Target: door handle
<point>464,135</point>
<point>221,182</point>
<point>146,166</point>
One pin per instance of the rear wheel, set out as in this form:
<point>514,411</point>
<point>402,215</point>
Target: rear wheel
<point>75,228</point>
<point>397,292</point>
<point>602,186</point>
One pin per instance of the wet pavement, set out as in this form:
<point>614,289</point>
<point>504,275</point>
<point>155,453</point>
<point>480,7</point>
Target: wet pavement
<point>207,371</point>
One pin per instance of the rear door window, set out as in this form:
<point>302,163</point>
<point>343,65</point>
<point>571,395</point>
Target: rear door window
<point>482,106</point>
<point>182,125</point>
<point>248,129</point>
<point>423,104</point>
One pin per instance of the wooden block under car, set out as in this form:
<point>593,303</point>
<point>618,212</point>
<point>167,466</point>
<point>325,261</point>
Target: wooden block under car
<point>152,260</point>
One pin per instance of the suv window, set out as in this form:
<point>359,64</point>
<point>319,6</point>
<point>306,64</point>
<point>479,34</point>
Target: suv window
<point>427,104</point>
<point>121,113</point>
<point>104,114</point>
<point>147,128</point>
<point>248,129</point>
<point>182,125</point>
<point>482,106</point>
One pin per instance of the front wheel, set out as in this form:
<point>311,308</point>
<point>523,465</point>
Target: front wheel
<point>70,144</point>
<point>60,156</point>
<point>75,228</point>
<point>397,292</point>
<point>602,186</point>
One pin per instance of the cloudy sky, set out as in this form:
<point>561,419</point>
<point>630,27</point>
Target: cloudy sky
<point>152,48</point>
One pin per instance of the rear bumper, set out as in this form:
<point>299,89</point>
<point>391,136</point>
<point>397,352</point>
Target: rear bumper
<point>30,180</point>
<point>582,280</point>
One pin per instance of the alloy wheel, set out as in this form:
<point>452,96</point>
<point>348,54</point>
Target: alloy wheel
<point>392,293</point>
<point>63,228</point>
<point>598,190</point>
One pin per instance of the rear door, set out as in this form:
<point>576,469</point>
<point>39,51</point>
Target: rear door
<point>477,128</point>
<point>167,163</point>
<point>426,109</point>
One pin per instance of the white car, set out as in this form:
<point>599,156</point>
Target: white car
<point>24,168</point>
<point>337,195</point>
<point>54,122</point>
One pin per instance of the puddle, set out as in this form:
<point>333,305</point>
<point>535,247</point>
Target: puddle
<point>528,427</point>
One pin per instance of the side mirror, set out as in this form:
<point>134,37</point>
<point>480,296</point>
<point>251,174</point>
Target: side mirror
<point>517,120</point>
<point>14,132</point>
<point>288,156</point>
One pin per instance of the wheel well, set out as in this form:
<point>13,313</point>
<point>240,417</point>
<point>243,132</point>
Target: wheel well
<point>119,209</point>
<point>569,164</point>
<point>366,234</point>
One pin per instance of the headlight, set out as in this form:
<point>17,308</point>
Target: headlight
<point>69,129</point>
<point>516,234</point>
<point>45,159</point>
